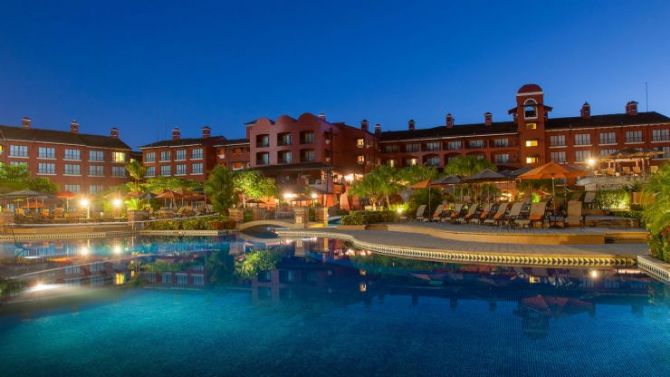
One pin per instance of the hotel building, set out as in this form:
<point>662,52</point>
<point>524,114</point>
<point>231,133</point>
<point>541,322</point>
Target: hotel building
<point>532,137</point>
<point>74,161</point>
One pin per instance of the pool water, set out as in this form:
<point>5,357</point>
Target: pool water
<point>325,310</point>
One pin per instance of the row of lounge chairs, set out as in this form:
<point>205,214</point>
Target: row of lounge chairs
<point>511,214</point>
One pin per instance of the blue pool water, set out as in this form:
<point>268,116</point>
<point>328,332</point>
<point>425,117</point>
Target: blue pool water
<point>324,310</point>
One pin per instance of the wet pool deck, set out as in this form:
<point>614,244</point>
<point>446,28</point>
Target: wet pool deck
<point>477,244</point>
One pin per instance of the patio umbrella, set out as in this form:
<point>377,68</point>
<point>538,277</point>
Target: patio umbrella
<point>552,170</point>
<point>67,195</point>
<point>486,175</point>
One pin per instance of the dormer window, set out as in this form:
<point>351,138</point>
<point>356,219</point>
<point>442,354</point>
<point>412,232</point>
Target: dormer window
<point>530,109</point>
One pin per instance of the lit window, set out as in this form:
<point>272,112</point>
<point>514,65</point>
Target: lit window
<point>391,163</point>
<point>411,161</point>
<point>118,157</point>
<point>531,160</point>
<point>531,143</point>
<point>360,159</point>
<point>531,126</point>
<point>360,143</point>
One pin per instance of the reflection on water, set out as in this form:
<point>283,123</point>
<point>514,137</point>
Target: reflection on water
<point>320,278</point>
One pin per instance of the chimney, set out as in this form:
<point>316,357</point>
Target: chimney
<point>488,118</point>
<point>411,125</point>
<point>586,110</point>
<point>364,125</point>
<point>114,133</point>
<point>206,132</point>
<point>631,108</point>
<point>378,129</point>
<point>322,116</point>
<point>26,122</point>
<point>74,127</point>
<point>450,120</point>
<point>176,134</point>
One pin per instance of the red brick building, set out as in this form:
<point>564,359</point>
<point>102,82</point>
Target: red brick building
<point>532,137</point>
<point>188,158</point>
<point>74,161</point>
<point>233,153</point>
<point>310,151</point>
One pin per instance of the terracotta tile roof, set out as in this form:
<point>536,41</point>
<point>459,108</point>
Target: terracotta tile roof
<point>62,137</point>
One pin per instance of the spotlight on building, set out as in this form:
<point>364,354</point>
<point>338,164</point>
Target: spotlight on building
<point>591,162</point>
<point>117,202</point>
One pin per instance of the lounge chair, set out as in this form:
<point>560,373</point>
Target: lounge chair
<point>472,210</point>
<point>499,216</point>
<point>514,213</point>
<point>483,215</point>
<point>455,213</point>
<point>420,213</point>
<point>536,215</point>
<point>575,217</point>
<point>438,213</point>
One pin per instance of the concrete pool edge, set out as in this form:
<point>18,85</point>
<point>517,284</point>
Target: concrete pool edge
<point>555,258</point>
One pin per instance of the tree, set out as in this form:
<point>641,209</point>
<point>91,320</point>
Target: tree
<point>220,189</point>
<point>380,183</point>
<point>136,171</point>
<point>253,184</point>
<point>17,177</point>
<point>416,173</point>
<point>656,212</point>
<point>467,165</point>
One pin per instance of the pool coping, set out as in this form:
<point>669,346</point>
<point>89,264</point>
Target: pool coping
<point>654,267</point>
<point>455,255</point>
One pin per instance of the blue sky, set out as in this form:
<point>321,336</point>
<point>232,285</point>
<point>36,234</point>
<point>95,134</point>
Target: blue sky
<point>148,67</point>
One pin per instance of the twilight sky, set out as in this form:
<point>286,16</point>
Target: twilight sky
<point>148,67</point>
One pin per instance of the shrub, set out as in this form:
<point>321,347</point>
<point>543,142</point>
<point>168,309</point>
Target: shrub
<point>369,217</point>
<point>615,200</point>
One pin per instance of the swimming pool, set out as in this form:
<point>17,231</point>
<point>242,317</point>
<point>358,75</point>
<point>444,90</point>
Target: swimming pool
<point>324,309</point>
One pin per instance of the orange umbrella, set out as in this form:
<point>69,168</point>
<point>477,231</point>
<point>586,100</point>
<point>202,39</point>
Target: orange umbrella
<point>552,170</point>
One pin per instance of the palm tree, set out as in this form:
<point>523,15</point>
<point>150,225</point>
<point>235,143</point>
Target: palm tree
<point>656,212</point>
<point>220,189</point>
<point>136,171</point>
<point>380,183</point>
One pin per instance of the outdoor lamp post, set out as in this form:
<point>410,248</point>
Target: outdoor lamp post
<point>85,202</point>
<point>117,203</point>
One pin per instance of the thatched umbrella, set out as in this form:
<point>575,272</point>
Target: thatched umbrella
<point>168,194</point>
<point>486,175</point>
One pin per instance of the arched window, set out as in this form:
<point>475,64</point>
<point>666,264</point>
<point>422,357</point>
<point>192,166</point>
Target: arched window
<point>530,109</point>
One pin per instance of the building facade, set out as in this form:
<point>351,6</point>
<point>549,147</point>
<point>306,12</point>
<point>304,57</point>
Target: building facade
<point>74,161</point>
<point>311,152</point>
<point>188,158</point>
<point>532,137</point>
